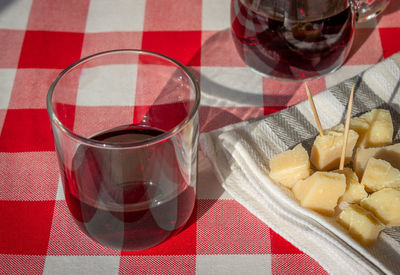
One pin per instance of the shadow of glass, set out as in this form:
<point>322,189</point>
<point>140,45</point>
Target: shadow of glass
<point>359,40</point>
<point>393,7</point>
<point>4,4</point>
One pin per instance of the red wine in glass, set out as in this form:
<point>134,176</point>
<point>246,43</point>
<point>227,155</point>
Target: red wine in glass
<point>114,200</point>
<point>273,43</point>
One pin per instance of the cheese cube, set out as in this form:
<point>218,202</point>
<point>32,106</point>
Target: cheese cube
<point>380,130</point>
<point>361,224</point>
<point>385,204</point>
<point>355,191</point>
<point>390,153</point>
<point>380,174</point>
<point>290,166</point>
<point>321,191</point>
<point>361,126</point>
<point>327,149</point>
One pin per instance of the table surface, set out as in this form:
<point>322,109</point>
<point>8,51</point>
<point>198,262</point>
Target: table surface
<point>39,38</point>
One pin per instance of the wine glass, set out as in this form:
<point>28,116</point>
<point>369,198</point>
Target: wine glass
<point>297,40</point>
<point>125,125</point>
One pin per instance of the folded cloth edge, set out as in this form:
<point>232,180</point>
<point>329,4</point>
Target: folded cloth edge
<point>211,145</point>
<point>321,235</point>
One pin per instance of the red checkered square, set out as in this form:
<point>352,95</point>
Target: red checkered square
<point>361,53</point>
<point>10,50</point>
<point>66,114</point>
<point>66,238</point>
<point>161,15</point>
<point>185,264</point>
<point>280,246</point>
<point>92,120</point>
<point>390,38</point>
<point>272,109</point>
<point>216,42</point>
<point>46,15</point>
<point>164,116</point>
<point>212,118</point>
<point>389,17</point>
<point>50,50</point>
<point>64,100</point>
<point>35,179</point>
<point>26,227</point>
<point>31,87</point>
<point>22,264</point>
<point>98,42</point>
<point>295,264</point>
<point>184,243</point>
<point>26,130</point>
<point>285,93</point>
<point>225,227</point>
<point>184,46</point>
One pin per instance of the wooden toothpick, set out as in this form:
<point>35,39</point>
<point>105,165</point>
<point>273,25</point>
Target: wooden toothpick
<point>346,129</point>
<point>310,99</point>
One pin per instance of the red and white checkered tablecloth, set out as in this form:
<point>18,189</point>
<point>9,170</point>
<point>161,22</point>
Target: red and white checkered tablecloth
<point>38,38</point>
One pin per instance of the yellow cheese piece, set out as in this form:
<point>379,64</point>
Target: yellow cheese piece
<point>390,153</point>
<point>327,149</point>
<point>385,204</point>
<point>290,166</point>
<point>321,191</point>
<point>361,126</point>
<point>380,174</point>
<point>361,224</point>
<point>355,191</point>
<point>380,132</point>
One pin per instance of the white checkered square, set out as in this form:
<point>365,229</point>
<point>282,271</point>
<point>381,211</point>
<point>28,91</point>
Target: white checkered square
<point>119,15</point>
<point>60,191</point>
<point>233,264</point>
<point>230,87</point>
<point>6,83</point>
<point>81,265</point>
<point>111,85</point>
<point>216,15</point>
<point>14,14</point>
<point>345,72</point>
<point>370,24</point>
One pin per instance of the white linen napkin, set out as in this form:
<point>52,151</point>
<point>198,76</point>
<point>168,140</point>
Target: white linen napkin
<point>240,154</point>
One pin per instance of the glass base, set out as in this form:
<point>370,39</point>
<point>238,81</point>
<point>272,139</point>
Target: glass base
<point>368,12</point>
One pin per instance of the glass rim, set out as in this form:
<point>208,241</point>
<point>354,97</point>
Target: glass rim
<point>153,140</point>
